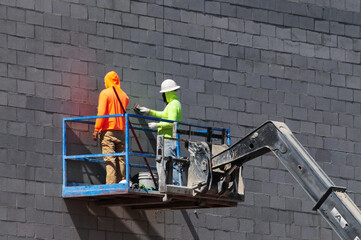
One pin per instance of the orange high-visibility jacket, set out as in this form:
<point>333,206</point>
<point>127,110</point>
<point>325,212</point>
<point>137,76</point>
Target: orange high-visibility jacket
<point>109,104</point>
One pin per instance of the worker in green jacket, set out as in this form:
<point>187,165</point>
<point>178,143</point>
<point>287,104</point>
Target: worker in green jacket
<point>173,111</point>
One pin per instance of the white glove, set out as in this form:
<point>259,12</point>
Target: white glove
<point>144,110</point>
<point>153,125</point>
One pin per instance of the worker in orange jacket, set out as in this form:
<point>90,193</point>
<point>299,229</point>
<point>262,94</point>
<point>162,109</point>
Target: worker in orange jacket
<point>112,136</point>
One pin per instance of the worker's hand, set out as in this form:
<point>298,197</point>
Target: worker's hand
<point>144,110</point>
<point>153,125</point>
<point>95,135</point>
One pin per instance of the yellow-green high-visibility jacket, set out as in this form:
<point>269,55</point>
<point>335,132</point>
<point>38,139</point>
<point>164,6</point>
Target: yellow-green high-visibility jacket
<point>173,111</point>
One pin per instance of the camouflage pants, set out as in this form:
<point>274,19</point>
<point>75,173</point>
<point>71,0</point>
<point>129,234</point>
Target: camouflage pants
<point>112,141</point>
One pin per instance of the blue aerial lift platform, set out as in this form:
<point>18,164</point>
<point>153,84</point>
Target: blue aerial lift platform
<point>90,165</point>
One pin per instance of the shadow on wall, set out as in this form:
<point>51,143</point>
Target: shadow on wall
<point>190,225</point>
<point>92,221</point>
<point>79,141</point>
<point>78,172</point>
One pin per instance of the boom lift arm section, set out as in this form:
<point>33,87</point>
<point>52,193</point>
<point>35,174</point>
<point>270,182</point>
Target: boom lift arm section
<point>331,202</point>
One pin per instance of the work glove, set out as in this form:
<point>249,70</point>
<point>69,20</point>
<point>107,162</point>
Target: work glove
<point>153,125</point>
<point>144,110</point>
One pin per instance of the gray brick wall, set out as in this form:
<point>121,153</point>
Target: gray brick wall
<point>239,63</point>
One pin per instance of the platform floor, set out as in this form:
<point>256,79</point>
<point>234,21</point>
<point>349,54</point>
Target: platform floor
<point>120,195</point>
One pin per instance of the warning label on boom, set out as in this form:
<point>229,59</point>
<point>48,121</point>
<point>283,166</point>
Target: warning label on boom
<point>336,214</point>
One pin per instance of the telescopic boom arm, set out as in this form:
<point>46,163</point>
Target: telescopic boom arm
<point>331,201</point>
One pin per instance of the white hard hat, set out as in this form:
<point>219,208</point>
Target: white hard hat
<point>168,85</point>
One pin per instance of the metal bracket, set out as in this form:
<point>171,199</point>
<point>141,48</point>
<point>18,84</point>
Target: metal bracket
<point>325,196</point>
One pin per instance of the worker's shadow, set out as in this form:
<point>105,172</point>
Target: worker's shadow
<point>79,142</point>
<point>83,172</point>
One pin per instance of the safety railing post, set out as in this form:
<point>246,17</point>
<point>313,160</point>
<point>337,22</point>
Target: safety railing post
<point>209,134</point>
<point>229,143</point>
<point>178,152</point>
<point>127,167</point>
<point>64,154</point>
